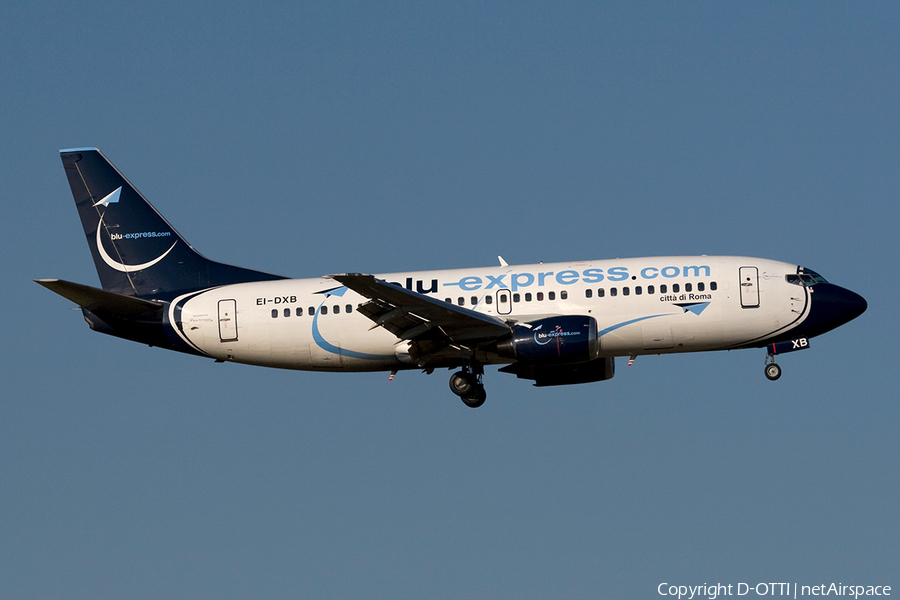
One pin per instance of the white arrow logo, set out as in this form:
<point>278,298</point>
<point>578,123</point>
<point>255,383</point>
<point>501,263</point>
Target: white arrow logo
<point>110,198</point>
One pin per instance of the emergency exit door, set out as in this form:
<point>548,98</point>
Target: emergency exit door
<point>749,287</point>
<point>228,320</point>
<point>504,302</point>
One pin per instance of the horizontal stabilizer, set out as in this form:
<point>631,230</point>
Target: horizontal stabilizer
<point>92,298</point>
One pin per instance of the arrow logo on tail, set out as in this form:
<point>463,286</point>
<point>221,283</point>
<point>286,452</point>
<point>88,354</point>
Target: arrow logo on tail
<point>110,198</point>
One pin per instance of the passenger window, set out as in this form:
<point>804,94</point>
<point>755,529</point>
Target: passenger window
<point>448,300</point>
<point>626,291</point>
<point>701,286</point>
<point>663,289</point>
<point>540,296</point>
<point>688,287</point>
<point>311,311</point>
<point>563,295</point>
<point>675,288</point>
<point>613,292</point>
<point>712,285</point>
<point>601,293</point>
<point>651,289</point>
<point>528,297</point>
<point>299,312</point>
<point>474,300</point>
<point>461,301</point>
<point>588,293</point>
<point>516,297</point>
<point>551,295</point>
<point>274,313</point>
<point>638,291</point>
<point>349,308</point>
<point>489,299</point>
<point>337,309</point>
<point>324,310</point>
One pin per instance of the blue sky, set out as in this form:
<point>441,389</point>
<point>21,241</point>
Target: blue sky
<point>311,139</point>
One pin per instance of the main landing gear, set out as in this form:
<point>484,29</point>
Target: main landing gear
<point>467,385</point>
<point>773,371</point>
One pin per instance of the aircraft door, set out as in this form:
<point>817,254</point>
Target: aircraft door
<point>228,320</point>
<point>504,302</point>
<point>749,287</point>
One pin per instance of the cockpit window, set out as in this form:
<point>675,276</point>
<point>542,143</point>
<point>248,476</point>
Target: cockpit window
<point>805,277</point>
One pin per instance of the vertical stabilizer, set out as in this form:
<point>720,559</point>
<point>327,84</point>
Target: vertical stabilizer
<point>135,250</point>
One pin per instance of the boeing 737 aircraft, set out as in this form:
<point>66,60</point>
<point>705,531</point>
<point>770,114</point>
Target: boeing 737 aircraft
<point>554,324</point>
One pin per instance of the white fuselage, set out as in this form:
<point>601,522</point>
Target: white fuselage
<point>641,305</point>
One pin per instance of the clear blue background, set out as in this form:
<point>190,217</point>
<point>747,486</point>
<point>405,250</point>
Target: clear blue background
<point>306,139</point>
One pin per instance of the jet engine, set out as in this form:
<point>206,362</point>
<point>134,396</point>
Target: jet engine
<point>553,341</point>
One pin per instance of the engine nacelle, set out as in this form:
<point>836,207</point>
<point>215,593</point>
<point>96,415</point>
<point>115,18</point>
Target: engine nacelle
<point>553,341</point>
<point>586,372</point>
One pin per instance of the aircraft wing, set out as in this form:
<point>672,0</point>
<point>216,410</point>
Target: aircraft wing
<point>431,324</point>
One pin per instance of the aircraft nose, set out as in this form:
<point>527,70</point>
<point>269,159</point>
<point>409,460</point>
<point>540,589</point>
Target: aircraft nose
<point>832,306</point>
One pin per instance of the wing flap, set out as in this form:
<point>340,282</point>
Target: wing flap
<point>413,316</point>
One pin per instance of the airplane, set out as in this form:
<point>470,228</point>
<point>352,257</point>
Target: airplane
<point>553,324</point>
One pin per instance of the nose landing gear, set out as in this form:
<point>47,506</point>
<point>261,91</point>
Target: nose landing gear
<point>773,371</point>
<point>467,385</point>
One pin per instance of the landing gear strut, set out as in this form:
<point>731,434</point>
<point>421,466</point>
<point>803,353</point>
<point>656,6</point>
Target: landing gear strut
<point>773,371</point>
<point>467,385</point>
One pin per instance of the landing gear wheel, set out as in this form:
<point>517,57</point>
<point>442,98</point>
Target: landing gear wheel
<point>467,385</point>
<point>463,383</point>
<point>773,372</point>
<point>475,398</point>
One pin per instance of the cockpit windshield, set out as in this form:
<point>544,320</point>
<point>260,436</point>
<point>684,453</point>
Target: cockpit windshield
<point>805,277</point>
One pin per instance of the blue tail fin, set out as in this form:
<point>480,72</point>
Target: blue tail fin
<point>135,250</point>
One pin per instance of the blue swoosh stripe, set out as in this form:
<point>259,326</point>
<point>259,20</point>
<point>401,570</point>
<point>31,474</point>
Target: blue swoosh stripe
<point>614,327</point>
<point>322,343</point>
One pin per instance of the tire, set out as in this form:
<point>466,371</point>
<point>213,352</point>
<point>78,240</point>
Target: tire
<point>773,372</point>
<point>475,398</point>
<point>462,383</point>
